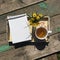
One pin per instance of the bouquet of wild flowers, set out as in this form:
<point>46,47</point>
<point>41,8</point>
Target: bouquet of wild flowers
<point>34,20</point>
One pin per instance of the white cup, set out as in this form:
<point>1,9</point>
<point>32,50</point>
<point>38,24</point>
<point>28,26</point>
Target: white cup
<point>41,33</point>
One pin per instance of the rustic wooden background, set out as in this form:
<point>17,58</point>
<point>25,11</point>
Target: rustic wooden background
<point>31,52</point>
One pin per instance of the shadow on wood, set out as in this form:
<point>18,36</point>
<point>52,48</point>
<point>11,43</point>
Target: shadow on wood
<point>39,45</point>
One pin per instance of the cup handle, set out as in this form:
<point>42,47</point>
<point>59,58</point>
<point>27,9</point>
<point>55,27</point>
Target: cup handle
<point>49,31</point>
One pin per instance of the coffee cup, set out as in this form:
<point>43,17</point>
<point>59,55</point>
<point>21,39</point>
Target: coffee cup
<point>41,33</point>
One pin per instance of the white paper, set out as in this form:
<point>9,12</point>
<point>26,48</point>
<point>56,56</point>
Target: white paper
<point>19,30</point>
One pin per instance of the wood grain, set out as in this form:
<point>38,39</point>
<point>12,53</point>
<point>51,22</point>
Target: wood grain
<point>30,52</point>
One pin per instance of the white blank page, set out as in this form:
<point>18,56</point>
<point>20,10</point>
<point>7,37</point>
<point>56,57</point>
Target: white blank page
<point>19,30</point>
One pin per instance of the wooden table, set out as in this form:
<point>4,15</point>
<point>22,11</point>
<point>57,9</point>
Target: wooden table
<point>30,52</point>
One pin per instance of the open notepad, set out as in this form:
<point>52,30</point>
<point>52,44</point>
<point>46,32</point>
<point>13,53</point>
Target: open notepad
<point>19,29</point>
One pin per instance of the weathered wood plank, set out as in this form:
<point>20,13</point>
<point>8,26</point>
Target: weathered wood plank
<point>51,57</point>
<point>53,45</point>
<point>10,5</point>
<point>30,52</point>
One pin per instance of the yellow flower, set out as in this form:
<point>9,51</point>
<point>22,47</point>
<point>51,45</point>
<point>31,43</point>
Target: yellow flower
<point>37,17</point>
<point>41,15</point>
<point>32,19</point>
<point>34,14</point>
<point>35,24</point>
